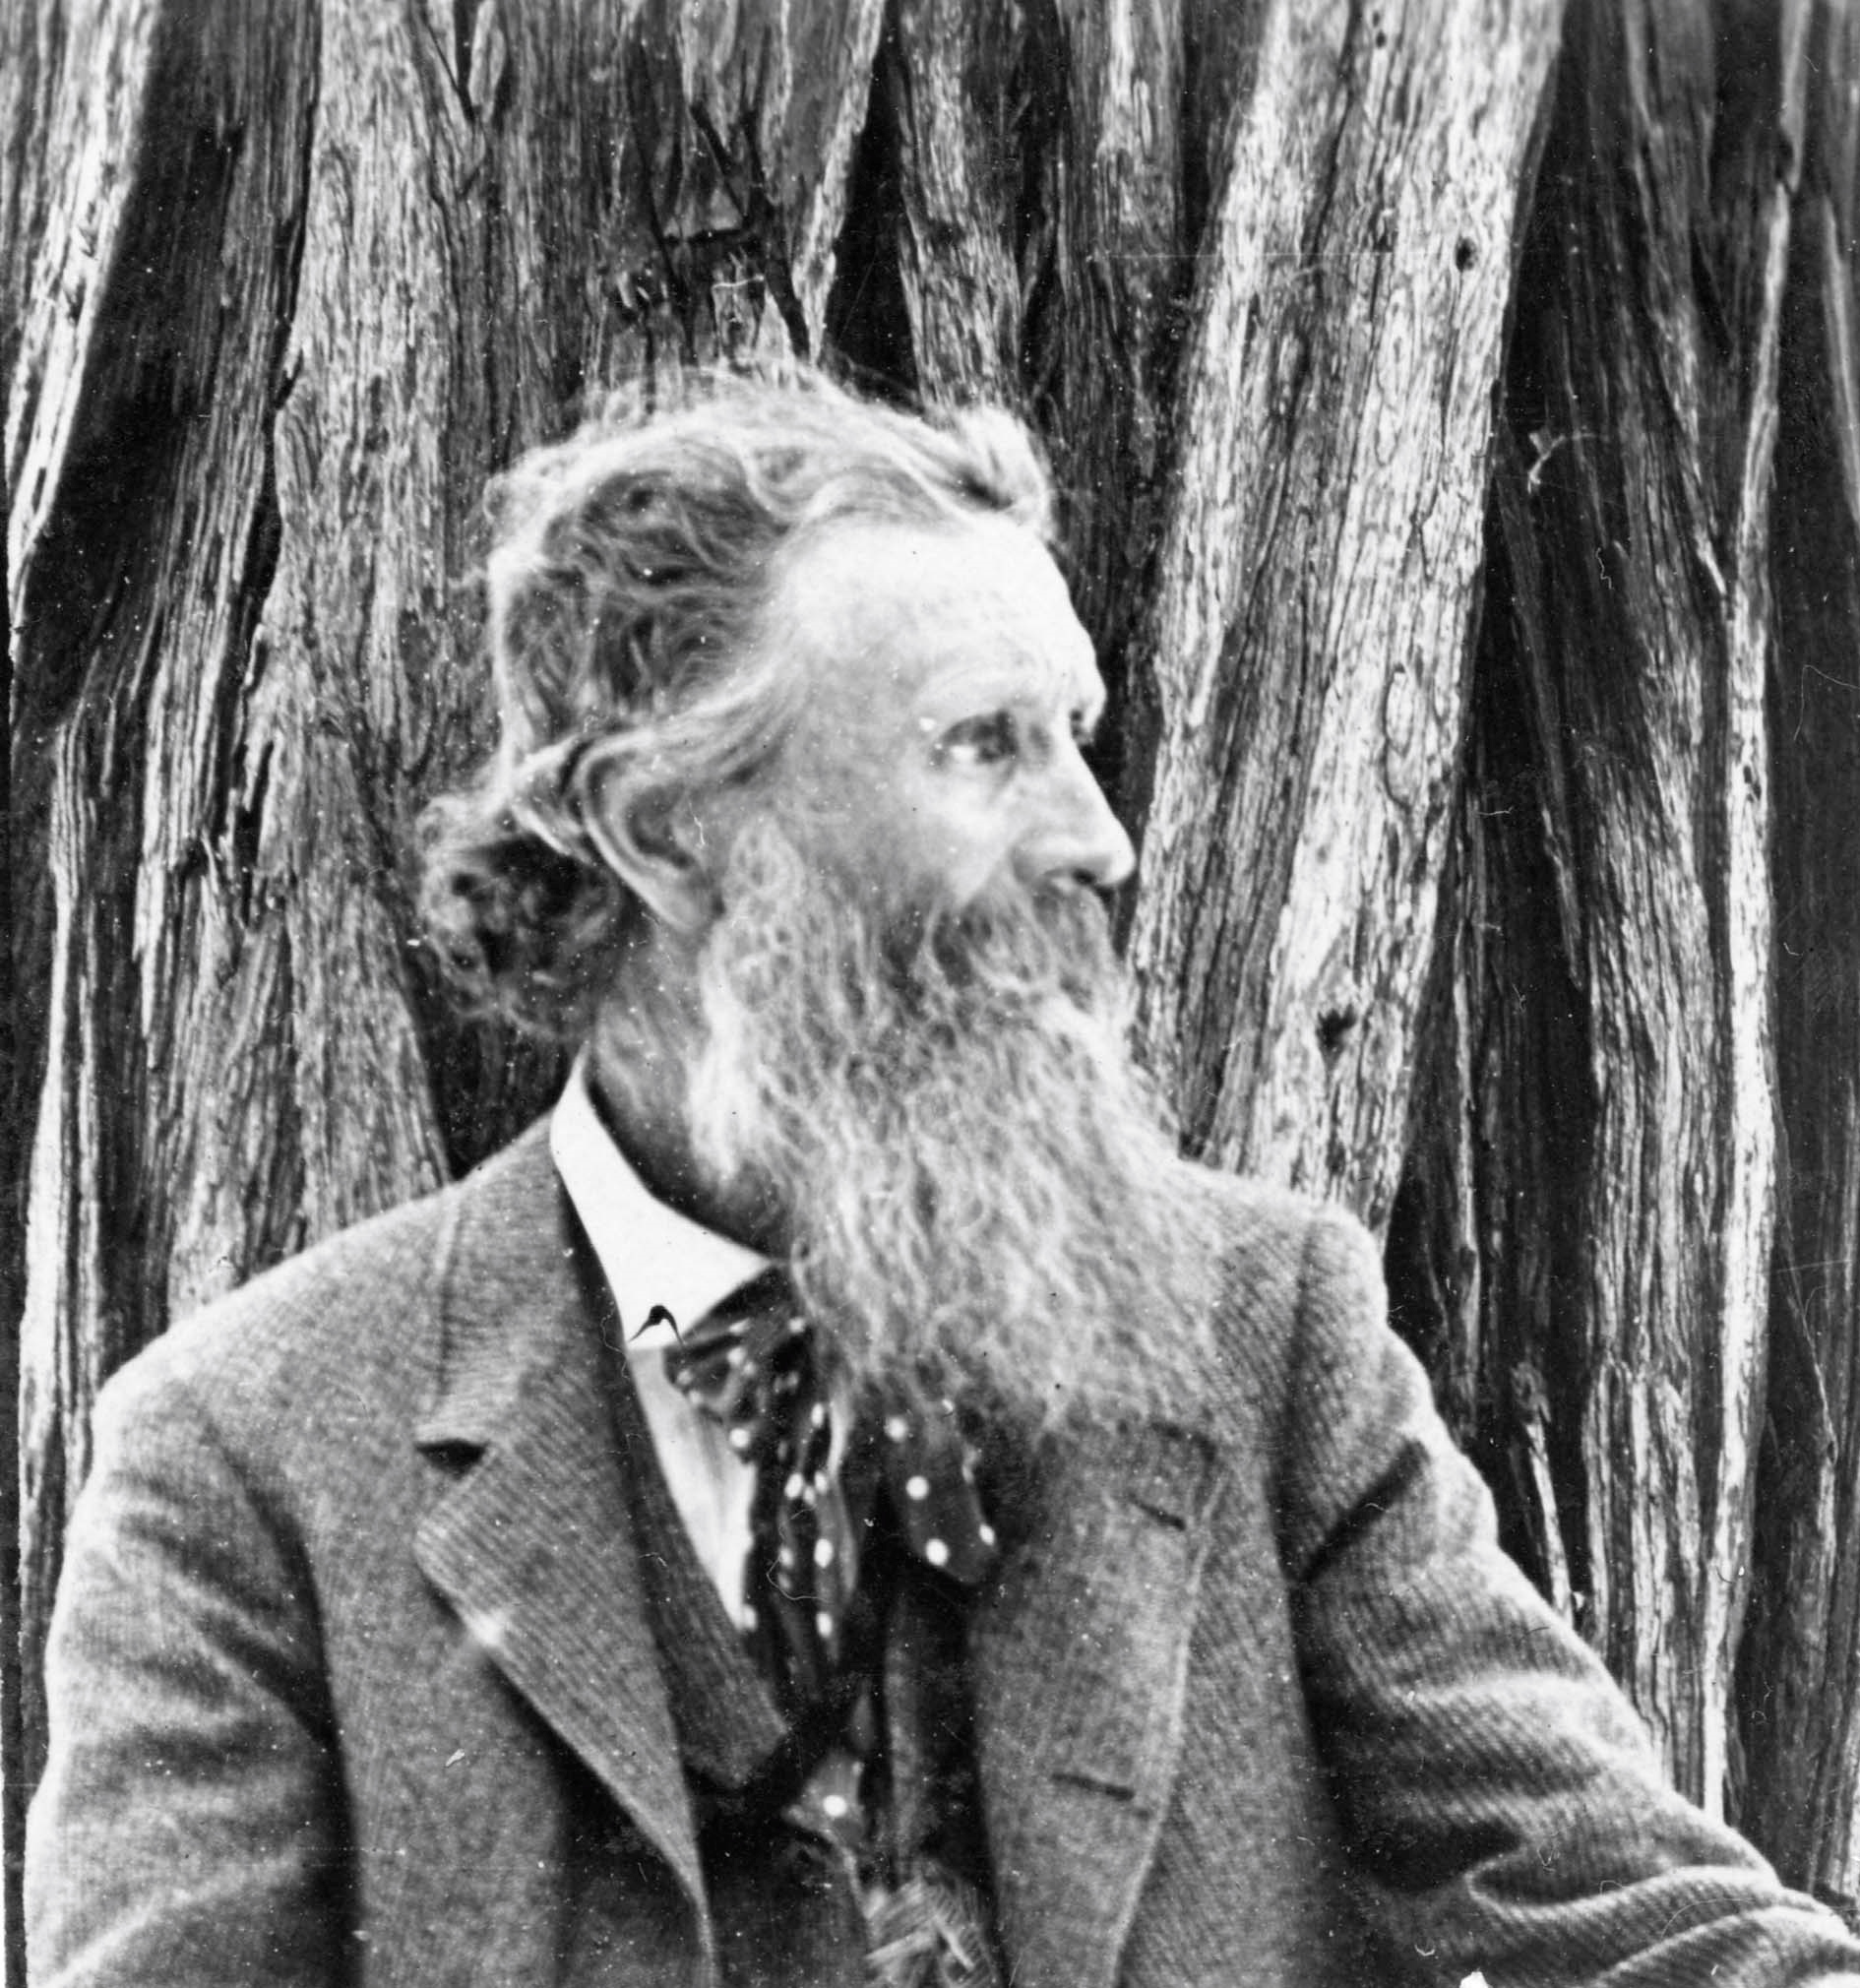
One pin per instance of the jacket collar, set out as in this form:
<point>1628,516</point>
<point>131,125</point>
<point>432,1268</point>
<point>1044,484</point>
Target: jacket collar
<point>1078,1653</point>
<point>532,1544</point>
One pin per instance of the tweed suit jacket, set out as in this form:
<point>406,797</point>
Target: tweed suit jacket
<point>352,1679</point>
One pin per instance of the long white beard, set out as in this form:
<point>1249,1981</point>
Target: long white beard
<point>978,1186</point>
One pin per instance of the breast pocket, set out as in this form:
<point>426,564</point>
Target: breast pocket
<point>1087,1648</point>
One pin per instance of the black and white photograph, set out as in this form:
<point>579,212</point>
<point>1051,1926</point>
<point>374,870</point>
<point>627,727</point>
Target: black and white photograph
<point>930,1035</point>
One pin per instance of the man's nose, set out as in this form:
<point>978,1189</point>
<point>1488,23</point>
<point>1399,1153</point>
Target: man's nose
<point>1077,838</point>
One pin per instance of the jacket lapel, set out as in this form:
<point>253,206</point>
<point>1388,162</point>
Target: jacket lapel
<point>532,1544</point>
<point>1081,1661</point>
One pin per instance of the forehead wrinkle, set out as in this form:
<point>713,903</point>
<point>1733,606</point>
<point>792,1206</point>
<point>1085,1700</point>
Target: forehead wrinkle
<point>1028,677</point>
<point>1017,653</point>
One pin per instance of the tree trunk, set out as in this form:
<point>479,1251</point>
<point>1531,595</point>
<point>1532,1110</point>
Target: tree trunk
<point>1450,742</point>
<point>1317,586</point>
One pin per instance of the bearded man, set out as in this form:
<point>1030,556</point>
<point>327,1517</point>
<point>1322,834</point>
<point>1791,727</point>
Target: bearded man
<point>840,1501</point>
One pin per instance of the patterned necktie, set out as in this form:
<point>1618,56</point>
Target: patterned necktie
<point>754,1365</point>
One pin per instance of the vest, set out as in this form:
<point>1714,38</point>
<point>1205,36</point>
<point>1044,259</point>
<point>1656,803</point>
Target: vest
<point>779,1893</point>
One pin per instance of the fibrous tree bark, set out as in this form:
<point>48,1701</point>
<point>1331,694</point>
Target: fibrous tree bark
<point>143,377</point>
<point>1800,1675</point>
<point>1317,582</point>
<point>23,65</point>
<point>1105,278</point>
<point>1610,1012</point>
<point>943,116</point>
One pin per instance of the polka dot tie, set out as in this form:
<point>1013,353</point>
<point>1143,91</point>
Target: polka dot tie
<point>752,1364</point>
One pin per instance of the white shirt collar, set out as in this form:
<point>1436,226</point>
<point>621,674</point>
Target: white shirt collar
<point>649,1254</point>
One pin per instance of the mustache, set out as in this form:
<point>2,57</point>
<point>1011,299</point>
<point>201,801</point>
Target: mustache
<point>1017,958</point>
<point>1049,935</point>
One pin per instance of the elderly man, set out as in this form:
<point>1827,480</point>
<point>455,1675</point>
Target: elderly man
<point>840,1501</point>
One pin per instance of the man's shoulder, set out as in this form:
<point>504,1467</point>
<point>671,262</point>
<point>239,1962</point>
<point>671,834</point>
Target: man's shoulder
<point>357,1315</point>
<point>1297,1272</point>
<point>1279,1242</point>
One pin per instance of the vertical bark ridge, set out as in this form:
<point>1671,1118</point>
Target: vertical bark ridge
<point>949,84</point>
<point>778,95</point>
<point>32,66</point>
<point>144,357</point>
<point>1800,1684</point>
<point>1318,578</point>
<point>1482,1242</point>
<point>1106,269</point>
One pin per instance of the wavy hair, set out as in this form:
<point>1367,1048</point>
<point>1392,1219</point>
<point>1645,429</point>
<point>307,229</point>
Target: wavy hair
<point>630,571</point>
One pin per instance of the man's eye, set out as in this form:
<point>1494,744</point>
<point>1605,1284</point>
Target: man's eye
<point>989,741</point>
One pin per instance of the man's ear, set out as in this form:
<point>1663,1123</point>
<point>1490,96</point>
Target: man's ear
<point>650,841</point>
